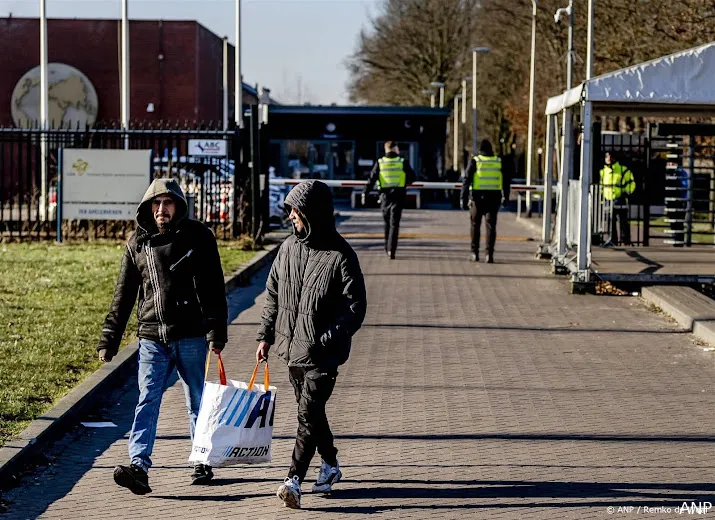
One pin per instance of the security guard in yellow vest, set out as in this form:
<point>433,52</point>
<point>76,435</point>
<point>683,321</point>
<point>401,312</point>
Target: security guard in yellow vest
<point>484,189</point>
<point>617,183</point>
<point>393,174</point>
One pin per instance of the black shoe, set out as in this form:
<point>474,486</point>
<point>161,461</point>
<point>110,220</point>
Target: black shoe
<point>474,257</point>
<point>391,255</point>
<point>202,475</point>
<point>134,478</point>
<point>490,259</point>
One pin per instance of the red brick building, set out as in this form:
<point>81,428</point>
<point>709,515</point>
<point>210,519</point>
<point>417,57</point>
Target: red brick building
<point>176,67</point>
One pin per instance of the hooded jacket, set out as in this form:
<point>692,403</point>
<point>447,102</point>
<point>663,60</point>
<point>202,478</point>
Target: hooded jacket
<point>177,275</point>
<point>315,299</point>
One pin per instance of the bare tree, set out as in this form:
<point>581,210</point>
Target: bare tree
<point>411,43</point>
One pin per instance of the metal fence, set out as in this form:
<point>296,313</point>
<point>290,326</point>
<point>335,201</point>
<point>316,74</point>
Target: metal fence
<point>220,190</point>
<point>673,203</point>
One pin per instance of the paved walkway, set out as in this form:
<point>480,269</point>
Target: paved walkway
<point>473,391</point>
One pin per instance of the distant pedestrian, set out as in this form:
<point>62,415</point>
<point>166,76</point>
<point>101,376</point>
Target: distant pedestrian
<point>393,174</point>
<point>173,265</point>
<point>484,189</point>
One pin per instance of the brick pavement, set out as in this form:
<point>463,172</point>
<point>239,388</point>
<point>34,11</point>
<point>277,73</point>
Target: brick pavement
<point>473,391</point>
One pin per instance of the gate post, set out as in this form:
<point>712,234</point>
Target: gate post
<point>255,172</point>
<point>646,187</point>
<point>584,235</point>
<point>265,165</point>
<point>237,153</point>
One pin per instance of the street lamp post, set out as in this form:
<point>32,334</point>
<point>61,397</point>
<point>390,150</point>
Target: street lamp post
<point>440,86</point>
<point>530,143</point>
<point>125,65</point>
<point>464,119</point>
<point>44,111</point>
<point>589,54</point>
<point>568,11</point>
<point>475,51</point>
<point>225,83</point>
<point>455,149</point>
<point>566,162</point>
<point>238,89</point>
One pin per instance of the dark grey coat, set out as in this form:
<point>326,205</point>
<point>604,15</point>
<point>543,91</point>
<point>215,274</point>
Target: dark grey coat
<point>315,298</point>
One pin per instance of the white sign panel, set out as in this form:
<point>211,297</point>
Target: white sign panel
<point>103,184</point>
<point>207,147</point>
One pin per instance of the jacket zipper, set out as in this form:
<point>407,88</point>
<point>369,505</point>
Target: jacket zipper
<point>154,278</point>
<point>172,267</point>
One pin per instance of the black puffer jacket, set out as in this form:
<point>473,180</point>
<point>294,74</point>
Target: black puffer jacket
<point>316,293</point>
<point>177,275</point>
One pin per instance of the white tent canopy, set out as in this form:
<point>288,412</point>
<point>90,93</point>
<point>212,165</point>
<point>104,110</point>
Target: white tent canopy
<point>681,83</point>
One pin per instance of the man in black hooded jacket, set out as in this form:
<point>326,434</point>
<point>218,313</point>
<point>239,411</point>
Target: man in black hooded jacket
<point>173,265</point>
<point>315,303</point>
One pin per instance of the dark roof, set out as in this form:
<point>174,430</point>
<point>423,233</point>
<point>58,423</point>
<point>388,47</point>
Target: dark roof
<point>360,110</point>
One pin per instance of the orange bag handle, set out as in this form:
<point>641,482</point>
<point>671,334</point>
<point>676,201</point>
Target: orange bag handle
<point>266,377</point>
<point>221,368</point>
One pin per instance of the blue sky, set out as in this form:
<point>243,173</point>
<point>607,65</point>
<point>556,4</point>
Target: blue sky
<point>296,48</point>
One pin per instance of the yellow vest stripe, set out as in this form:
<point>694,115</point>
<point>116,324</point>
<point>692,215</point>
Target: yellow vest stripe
<point>392,173</point>
<point>489,173</point>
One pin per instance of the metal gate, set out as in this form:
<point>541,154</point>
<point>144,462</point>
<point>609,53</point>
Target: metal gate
<point>672,168</point>
<point>221,190</point>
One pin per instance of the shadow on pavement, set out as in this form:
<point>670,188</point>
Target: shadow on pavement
<point>408,491</point>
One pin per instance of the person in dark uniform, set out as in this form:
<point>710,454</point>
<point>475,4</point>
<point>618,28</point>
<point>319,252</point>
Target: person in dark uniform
<point>392,173</point>
<point>484,189</point>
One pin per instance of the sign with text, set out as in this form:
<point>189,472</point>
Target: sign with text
<point>207,147</point>
<point>103,184</point>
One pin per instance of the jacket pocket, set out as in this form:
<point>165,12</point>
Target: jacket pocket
<point>188,312</point>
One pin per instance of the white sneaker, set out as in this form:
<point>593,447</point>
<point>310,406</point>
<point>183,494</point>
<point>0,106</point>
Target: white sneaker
<point>327,476</point>
<point>289,493</point>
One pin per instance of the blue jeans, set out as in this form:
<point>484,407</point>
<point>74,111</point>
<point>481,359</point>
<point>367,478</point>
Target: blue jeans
<point>156,364</point>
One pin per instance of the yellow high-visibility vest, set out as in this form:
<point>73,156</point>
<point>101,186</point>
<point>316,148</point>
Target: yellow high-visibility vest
<point>392,172</point>
<point>488,175</point>
<point>617,181</point>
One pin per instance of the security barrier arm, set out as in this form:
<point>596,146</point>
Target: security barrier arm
<point>415,185</point>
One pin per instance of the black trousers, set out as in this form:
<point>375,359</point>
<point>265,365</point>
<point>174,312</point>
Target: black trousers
<point>312,389</point>
<point>391,204</point>
<point>620,213</point>
<point>484,204</point>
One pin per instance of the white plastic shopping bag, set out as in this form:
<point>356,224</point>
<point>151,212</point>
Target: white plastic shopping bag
<point>235,422</point>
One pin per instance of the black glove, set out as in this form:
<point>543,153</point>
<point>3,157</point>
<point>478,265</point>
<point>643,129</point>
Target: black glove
<point>464,206</point>
<point>216,345</point>
<point>504,202</point>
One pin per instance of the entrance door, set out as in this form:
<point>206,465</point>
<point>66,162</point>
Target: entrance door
<point>315,159</point>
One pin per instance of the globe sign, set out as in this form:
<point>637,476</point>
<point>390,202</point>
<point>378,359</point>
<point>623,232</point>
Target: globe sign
<point>72,98</point>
